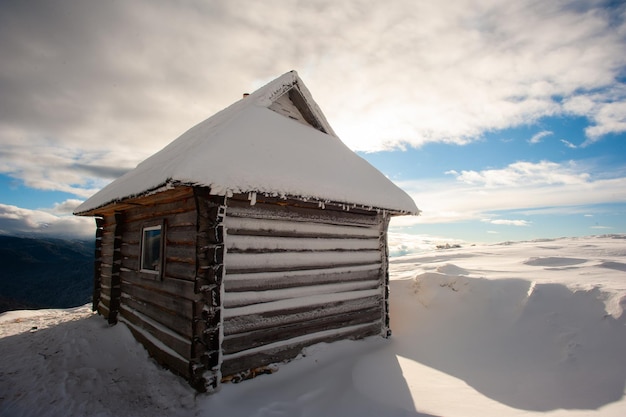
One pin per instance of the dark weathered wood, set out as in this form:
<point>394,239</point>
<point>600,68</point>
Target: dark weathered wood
<point>262,244</point>
<point>242,363</point>
<point>103,309</point>
<point>182,325</point>
<point>97,266</point>
<point>386,329</point>
<point>181,253</point>
<point>181,235</point>
<point>297,229</point>
<point>296,261</point>
<point>106,265</point>
<point>165,358</point>
<point>180,270</point>
<point>305,110</point>
<point>157,210</point>
<point>163,301</point>
<point>209,269</point>
<point>289,279</point>
<point>256,338</point>
<point>116,292</point>
<point>169,286</point>
<point>276,209</point>
<point>277,318</point>
<point>181,344</point>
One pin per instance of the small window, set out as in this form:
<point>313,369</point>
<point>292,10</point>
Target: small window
<point>151,244</point>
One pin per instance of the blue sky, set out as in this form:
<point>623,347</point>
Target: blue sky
<point>503,120</point>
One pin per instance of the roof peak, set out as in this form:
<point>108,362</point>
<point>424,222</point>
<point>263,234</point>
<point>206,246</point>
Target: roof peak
<point>290,83</point>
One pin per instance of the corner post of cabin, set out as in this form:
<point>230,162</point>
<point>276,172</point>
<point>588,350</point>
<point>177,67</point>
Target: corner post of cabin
<point>97,264</point>
<point>116,285</point>
<point>384,249</point>
<point>207,310</point>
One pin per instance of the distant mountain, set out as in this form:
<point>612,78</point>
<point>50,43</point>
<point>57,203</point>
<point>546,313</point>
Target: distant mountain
<point>44,273</point>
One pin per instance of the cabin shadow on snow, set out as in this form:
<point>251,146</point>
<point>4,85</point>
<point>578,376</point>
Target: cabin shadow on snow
<point>535,347</point>
<point>54,371</point>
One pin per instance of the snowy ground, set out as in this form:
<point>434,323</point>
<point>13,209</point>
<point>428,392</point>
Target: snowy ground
<point>520,329</point>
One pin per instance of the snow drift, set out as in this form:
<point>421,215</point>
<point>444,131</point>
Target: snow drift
<point>528,328</point>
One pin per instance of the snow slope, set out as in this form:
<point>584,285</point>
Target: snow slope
<point>518,329</point>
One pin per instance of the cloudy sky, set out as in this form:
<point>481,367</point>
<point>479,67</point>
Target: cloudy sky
<point>504,120</point>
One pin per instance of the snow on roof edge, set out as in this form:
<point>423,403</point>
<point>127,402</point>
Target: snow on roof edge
<point>223,191</point>
<point>128,186</point>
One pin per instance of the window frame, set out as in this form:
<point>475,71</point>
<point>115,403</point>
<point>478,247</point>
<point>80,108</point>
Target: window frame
<point>156,274</point>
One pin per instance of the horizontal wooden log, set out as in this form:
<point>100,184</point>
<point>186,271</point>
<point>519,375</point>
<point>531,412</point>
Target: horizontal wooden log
<point>161,353</point>
<point>181,235</point>
<point>143,213</point>
<point>169,287</point>
<point>290,279</point>
<point>130,249</point>
<point>261,244</point>
<point>292,261</point>
<point>241,362</point>
<point>313,213</point>
<point>256,338</point>
<point>105,281</point>
<point>172,339</point>
<point>245,298</point>
<point>301,312</point>
<point>163,301</point>
<point>103,308</point>
<point>180,270</point>
<point>181,325</point>
<point>186,252</point>
<point>285,228</point>
<point>107,252</point>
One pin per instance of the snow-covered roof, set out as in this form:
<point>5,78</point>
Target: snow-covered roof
<point>252,146</point>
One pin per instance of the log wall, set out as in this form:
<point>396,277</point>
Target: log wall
<point>159,308</point>
<point>106,258</point>
<point>296,276</point>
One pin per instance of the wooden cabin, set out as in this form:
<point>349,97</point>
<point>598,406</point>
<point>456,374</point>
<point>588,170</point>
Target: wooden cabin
<point>253,235</point>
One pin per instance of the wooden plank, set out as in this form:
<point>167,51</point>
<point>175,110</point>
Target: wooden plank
<point>285,228</point>
<point>103,309</point>
<point>290,279</point>
<point>285,316</point>
<point>268,208</point>
<point>180,270</point>
<point>155,348</point>
<point>234,364</point>
<point>261,337</point>
<point>169,287</point>
<point>130,249</point>
<point>181,235</point>
<point>245,298</point>
<point>172,339</point>
<point>176,251</point>
<point>162,301</point>
<point>182,324</point>
<point>181,205</point>
<point>260,244</point>
<point>291,261</point>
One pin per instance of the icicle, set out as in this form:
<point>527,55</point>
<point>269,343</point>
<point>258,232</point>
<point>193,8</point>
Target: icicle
<point>252,198</point>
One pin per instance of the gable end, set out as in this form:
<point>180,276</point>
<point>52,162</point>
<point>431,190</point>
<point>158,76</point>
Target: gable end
<point>294,106</point>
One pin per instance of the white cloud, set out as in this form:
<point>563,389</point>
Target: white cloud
<point>569,144</point>
<point>20,221</point>
<point>526,186</point>
<point>539,136</point>
<point>525,173</point>
<point>91,88</point>
<point>505,222</point>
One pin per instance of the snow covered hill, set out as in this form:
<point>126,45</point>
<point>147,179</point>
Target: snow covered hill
<point>517,329</point>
